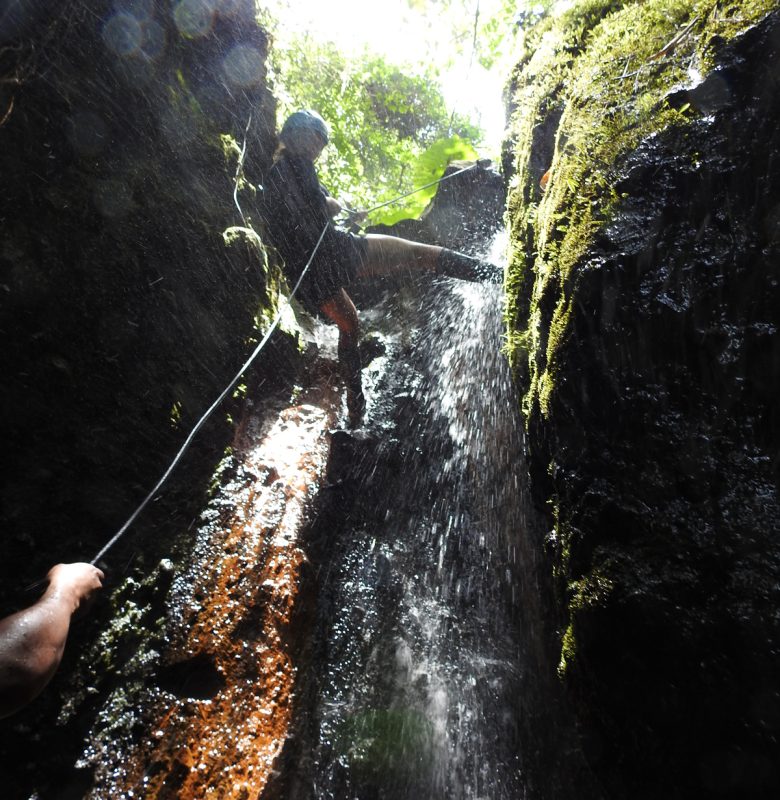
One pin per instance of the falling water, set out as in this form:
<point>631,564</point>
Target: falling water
<point>413,675</point>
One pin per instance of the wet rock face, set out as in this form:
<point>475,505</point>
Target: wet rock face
<point>123,312</point>
<point>122,309</point>
<point>659,448</point>
<point>203,707</point>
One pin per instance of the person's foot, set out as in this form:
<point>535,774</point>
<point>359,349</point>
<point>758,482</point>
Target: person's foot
<point>467,268</point>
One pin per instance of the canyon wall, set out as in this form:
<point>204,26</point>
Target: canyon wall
<point>642,310</point>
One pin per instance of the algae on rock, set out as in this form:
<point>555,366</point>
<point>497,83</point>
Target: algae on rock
<point>642,306</point>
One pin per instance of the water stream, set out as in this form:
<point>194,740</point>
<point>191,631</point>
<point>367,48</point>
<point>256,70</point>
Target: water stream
<point>363,615</point>
<point>413,679</point>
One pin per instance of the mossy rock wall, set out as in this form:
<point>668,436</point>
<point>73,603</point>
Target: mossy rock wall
<point>124,309</point>
<point>643,308</point>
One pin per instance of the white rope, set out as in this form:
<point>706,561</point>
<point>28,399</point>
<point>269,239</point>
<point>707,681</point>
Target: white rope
<point>210,410</point>
<point>118,535</point>
<point>239,170</point>
<point>418,189</point>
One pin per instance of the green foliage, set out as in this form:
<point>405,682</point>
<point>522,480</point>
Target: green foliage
<point>497,31</point>
<point>382,117</point>
<point>428,168</point>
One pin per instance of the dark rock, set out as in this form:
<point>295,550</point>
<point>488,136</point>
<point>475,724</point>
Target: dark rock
<point>658,449</point>
<point>123,309</point>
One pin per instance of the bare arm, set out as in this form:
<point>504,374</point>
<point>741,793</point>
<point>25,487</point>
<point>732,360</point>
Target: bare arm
<point>32,641</point>
<point>333,206</point>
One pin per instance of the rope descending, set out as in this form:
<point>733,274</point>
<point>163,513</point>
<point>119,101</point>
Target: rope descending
<point>210,410</point>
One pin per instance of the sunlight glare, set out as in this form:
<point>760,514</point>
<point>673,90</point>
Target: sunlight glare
<point>405,36</point>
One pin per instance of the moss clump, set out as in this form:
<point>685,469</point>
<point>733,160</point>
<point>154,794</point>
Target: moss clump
<point>590,592</point>
<point>538,95</point>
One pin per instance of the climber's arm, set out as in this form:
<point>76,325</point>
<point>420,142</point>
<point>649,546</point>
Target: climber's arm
<point>333,206</point>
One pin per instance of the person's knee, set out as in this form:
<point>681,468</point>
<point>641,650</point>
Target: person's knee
<point>349,333</point>
<point>348,322</point>
<point>341,311</point>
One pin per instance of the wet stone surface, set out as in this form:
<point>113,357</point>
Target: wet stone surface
<point>361,612</point>
<point>212,711</point>
<point>658,450</point>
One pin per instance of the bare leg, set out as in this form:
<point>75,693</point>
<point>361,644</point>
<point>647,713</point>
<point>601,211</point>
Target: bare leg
<point>388,254</point>
<point>341,310</point>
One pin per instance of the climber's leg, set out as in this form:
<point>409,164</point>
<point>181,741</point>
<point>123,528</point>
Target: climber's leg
<point>341,310</point>
<point>388,254</point>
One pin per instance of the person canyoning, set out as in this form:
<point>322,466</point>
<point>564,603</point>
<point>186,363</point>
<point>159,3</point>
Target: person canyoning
<point>298,208</point>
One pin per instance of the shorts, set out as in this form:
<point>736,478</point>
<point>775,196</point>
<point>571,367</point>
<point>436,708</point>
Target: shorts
<point>335,265</point>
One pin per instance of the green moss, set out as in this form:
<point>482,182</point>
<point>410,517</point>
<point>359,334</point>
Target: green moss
<point>175,414</point>
<point>128,647</point>
<point>539,83</point>
<point>250,237</point>
<point>230,147</point>
<point>605,69</point>
<point>185,108</point>
<point>590,86</point>
<point>234,155</point>
<point>592,591</point>
<point>567,651</point>
<point>237,236</point>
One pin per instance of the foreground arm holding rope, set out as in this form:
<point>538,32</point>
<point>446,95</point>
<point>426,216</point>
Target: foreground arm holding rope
<point>32,641</point>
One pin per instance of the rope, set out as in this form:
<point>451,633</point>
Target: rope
<point>240,169</point>
<point>210,410</point>
<point>418,189</point>
<point>118,535</point>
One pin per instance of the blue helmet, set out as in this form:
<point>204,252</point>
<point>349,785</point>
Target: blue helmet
<point>301,121</point>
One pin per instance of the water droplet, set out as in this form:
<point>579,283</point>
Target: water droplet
<point>243,66</point>
<point>194,18</point>
<point>122,34</point>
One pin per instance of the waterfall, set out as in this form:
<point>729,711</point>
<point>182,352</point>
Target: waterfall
<point>412,678</point>
<point>365,613</point>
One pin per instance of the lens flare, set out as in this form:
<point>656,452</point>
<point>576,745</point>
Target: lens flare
<point>123,35</point>
<point>153,44</point>
<point>140,9</point>
<point>243,66</point>
<point>194,18</point>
